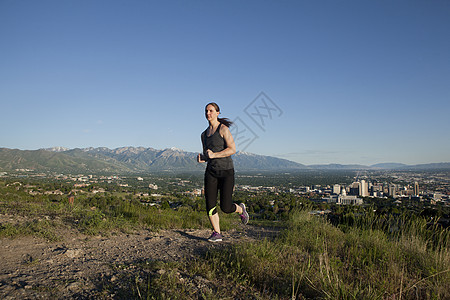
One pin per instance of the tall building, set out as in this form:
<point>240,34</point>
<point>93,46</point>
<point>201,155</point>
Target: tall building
<point>354,189</point>
<point>363,189</point>
<point>392,190</point>
<point>336,189</point>
<point>416,188</point>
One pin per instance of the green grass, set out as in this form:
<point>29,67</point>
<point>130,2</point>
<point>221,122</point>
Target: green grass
<point>39,228</point>
<point>41,216</point>
<point>313,259</point>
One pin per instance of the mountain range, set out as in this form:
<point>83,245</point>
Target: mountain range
<point>147,160</point>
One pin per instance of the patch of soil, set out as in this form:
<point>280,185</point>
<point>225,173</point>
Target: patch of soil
<point>92,267</point>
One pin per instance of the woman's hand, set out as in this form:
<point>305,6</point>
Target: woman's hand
<point>201,158</point>
<point>210,154</point>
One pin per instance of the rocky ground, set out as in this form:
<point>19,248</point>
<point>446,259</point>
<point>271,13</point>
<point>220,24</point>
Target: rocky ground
<point>92,267</point>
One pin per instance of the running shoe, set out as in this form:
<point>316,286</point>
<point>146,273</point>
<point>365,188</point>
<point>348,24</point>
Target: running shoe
<point>215,237</point>
<point>244,216</point>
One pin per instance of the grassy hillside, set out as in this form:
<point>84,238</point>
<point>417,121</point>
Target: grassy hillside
<point>42,160</point>
<point>365,257</point>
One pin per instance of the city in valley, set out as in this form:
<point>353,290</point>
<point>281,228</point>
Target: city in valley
<point>267,194</point>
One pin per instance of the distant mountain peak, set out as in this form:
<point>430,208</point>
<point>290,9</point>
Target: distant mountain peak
<point>175,149</point>
<point>390,165</point>
<point>56,149</point>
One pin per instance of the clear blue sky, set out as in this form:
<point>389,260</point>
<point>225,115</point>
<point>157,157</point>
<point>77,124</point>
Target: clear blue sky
<point>354,81</point>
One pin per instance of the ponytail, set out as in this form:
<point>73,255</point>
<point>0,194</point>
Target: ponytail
<point>225,121</point>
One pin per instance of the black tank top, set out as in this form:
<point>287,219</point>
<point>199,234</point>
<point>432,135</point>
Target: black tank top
<point>216,143</point>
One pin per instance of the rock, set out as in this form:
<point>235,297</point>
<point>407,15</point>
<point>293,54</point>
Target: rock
<point>73,286</point>
<point>72,253</point>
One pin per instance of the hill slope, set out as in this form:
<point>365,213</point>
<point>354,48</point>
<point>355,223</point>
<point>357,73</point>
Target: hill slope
<point>42,160</point>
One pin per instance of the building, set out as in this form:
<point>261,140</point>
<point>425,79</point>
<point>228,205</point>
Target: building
<point>349,200</point>
<point>343,199</point>
<point>331,199</point>
<point>416,188</point>
<point>376,190</point>
<point>354,189</point>
<point>336,189</point>
<point>392,190</point>
<point>363,189</point>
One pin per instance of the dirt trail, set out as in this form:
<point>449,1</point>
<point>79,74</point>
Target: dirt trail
<point>88,267</point>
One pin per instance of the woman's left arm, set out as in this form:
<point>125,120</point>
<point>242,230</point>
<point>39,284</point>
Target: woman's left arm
<point>231,147</point>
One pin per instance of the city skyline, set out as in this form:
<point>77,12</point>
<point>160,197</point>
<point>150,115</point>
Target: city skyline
<point>314,83</point>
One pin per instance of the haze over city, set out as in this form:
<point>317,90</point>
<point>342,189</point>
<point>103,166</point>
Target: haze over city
<point>347,82</point>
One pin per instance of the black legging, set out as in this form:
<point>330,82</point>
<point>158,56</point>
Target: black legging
<point>222,181</point>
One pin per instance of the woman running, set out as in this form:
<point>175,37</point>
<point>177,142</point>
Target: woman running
<point>218,146</point>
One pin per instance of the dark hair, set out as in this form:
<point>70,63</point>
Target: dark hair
<point>224,121</point>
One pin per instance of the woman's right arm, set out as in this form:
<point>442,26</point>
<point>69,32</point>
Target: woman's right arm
<point>201,157</point>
